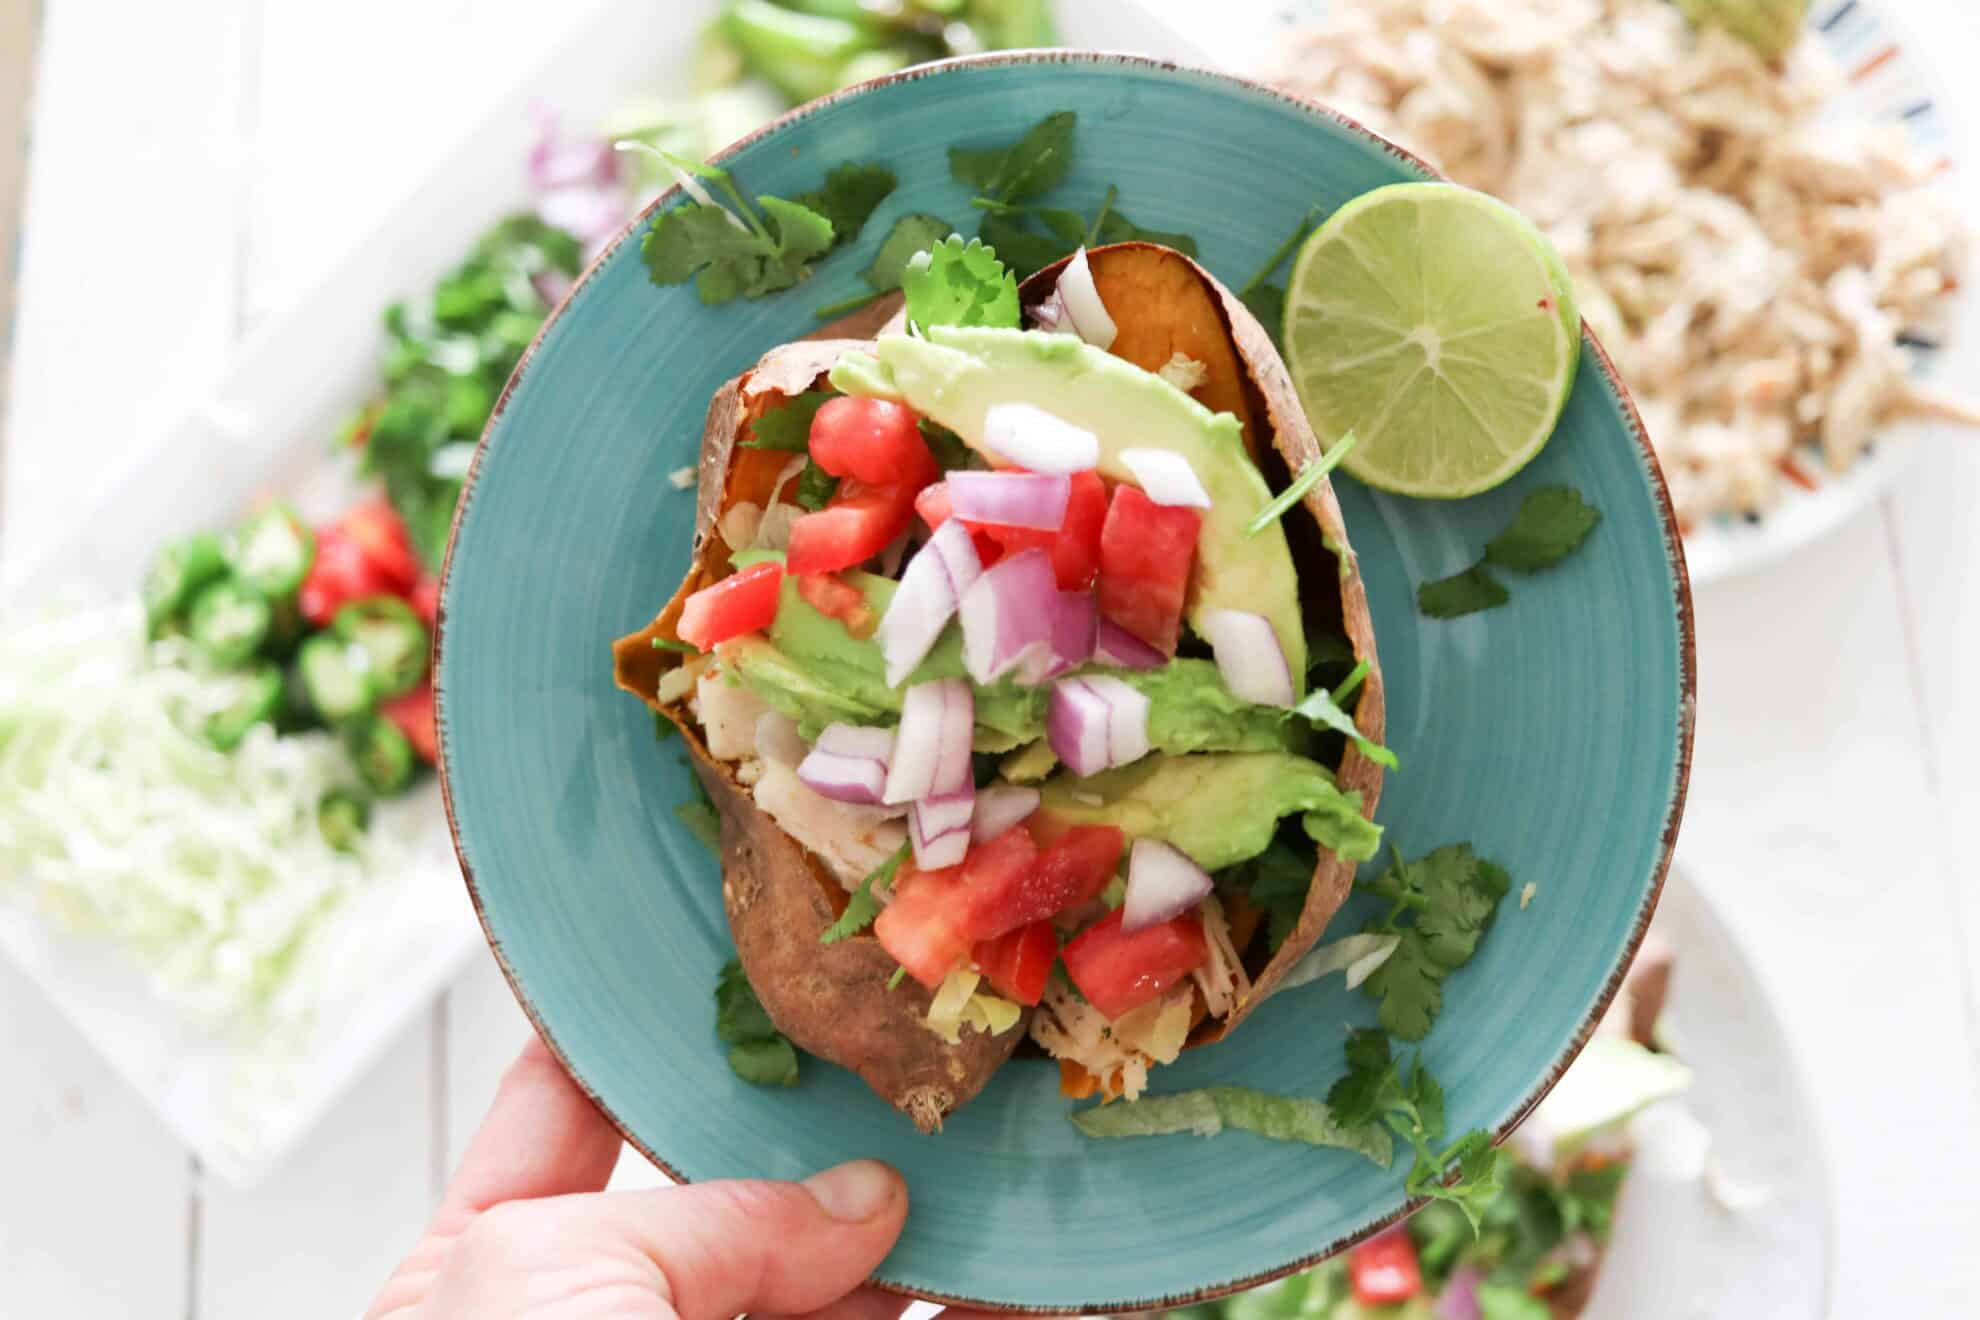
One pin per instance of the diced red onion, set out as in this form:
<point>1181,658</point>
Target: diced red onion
<point>1163,882</point>
<point>1075,623</point>
<point>857,741</point>
<point>1035,440</point>
<point>848,764</point>
<point>999,807</point>
<point>1096,722</point>
<point>1460,1297</point>
<point>1050,315</point>
<point>1249,655</point>
<point>592,213</point>
<point>929,594</point>
<point>554,163</point>
<point>939,828</point>
<point>551,284</point>
<point>1012,499</point>
<point>1166,477</point>
<point>931,748</point>
<point>1008,615</point>
<point>1115,645</point>
<point>1085,312</point>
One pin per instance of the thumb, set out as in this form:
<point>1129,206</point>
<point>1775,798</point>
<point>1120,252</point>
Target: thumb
<point>724,1248</point>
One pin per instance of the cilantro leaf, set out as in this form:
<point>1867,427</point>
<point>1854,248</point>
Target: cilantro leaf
<point>816,487</point>
<point>1361,1095</point>
<point>848,197</point>
<point>787,427</point>
<point>758,1052</point>
<point>1320,708</point>
<point>1551,522</point>
<point>948,448</point>
<point>1451,896</point>
<point>863,907</point>
<point>1025,251</point>
<point>1277,880</point>
<point>910,234</point>
<point>958,284</point>
<point>1027,168</point>
<point>801,234</point>
<point>703,823</point>
<point>728,257</point>
<point>1461,593</point>
<point>1114,227</point>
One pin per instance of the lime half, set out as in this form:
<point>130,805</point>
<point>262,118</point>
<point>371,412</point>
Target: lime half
<point>1439,326</point>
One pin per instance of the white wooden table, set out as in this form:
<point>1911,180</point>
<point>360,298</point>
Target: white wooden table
<point>194,166</point>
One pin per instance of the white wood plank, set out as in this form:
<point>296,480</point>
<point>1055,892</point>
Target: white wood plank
<point>1813,821</point>
<point>93,1208</point>
<point>319,1236</point>
<point>127,296</point>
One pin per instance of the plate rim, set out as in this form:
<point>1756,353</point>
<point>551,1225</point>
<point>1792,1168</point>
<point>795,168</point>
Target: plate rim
<point>1681,603</point>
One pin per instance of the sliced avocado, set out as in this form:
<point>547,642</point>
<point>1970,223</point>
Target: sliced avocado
<point>1219,807</point>
<point>816,672</point>
<point>1029,763</point>
<point>957,374</point>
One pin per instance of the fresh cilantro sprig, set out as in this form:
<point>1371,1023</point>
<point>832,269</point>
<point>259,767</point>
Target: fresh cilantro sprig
<point>1300,486</point>
<point>816,487</point>
<point>1469,1172</point>
<point>787,427</point>
<point>698,814</point>
<point>1010,229</point>
<point>1329,709</point>
<point>745,251</point>
<point>1442,904</point>
<point>958,283</point>
<point>1551,524</point>
<point>1029,167</point>
<point>863,907</point>
<point>758,1052</point>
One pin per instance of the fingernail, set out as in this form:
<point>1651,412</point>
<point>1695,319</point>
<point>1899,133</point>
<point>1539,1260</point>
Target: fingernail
<point>853,1193</point>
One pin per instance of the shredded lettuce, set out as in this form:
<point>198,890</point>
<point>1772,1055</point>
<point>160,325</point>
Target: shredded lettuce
<point>118,819</point>
<point>1209,1111</point>
<point>957,1004</point>
<point>1360,956</point>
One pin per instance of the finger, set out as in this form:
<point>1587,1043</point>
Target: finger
<point>789,1248</point>
<point>862,1304</point>
<point>542,1137</point>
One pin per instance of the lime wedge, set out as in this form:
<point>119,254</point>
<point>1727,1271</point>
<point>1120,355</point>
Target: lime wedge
<point>1439,326</point>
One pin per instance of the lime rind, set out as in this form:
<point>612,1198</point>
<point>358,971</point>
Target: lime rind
<point>1440,326</point>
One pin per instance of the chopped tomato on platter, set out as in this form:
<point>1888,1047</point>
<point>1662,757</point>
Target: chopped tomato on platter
<point>918,927</point>
<point>933,505</point>
<point>1145,554</point>
<point>736,605</point>
<point>375,526</point>
<point>1383,1269</point>
<point>412,715</point>
<point>860,522</point>
<point>876,441</point>
<point>1119,973</point>
<point>339,574</point>
<point>425,599</point>
<point>1018,963</point>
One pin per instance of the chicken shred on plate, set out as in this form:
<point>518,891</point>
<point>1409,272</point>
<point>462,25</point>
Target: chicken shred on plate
<point>1750,257</point>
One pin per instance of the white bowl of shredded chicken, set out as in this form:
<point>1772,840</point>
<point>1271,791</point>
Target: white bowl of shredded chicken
<point>1764,247</point>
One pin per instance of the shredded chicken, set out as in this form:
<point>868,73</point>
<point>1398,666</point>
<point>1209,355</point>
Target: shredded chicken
<point>1754,263</point>
<point>1121,1053</point>
<point>852,840</point>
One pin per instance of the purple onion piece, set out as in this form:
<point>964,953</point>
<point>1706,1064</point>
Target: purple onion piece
<point>939,828</point>
<point>1249,656</point>
<point>929,594</point>
<point>999,807</point>
<point>1008,614</point>
<point>1031,438</point>
<point>1011,499</point>
<point>931,749</point>
<point>1115,645</point>
<point>1163,882</point>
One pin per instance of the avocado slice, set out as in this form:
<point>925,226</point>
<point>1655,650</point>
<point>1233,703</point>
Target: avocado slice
<point>815,671</point>
<point>1221,808</point>
<point>956,374</point>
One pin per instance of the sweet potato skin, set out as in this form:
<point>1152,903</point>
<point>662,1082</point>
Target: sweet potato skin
<point>1164,303</point>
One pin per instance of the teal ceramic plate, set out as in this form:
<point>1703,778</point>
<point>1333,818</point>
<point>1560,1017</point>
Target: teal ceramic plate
<point>1554,734</point>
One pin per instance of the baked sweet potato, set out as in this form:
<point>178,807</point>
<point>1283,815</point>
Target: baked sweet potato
<point>832,1001</point>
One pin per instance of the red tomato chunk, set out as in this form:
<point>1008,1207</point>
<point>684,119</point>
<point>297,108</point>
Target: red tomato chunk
<point>919,928</point>
<point>1119,973</point>
<point>1145,553</point>
<point>1009,882</point>
<point>1018,964</point>
<point>875,441</point>
<point>859,523</point>
<point>1383,1269</point>
<point>736,605</point>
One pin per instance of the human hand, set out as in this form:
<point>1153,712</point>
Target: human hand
<point>526,1230</point>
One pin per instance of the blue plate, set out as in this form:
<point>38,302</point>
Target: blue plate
<point>1553,734</point>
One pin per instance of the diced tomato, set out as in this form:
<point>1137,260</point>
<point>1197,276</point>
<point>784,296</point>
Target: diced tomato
<point>1383,1269</point>
<point>918,927</point>
<point>744,603</point>
<point>1076,548</point>
<point>858,524</point>
<point>933,506</point>
<point>425,599</point>
<point>339,574</point>
<point>1119,973</point>
<point>375,526</point>
<point>872,440</point>
<point>836,598</point>
<point>412,712</point>
<point>1009,882</point>
<point>1017,964</point>
<point>1145,553</point>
